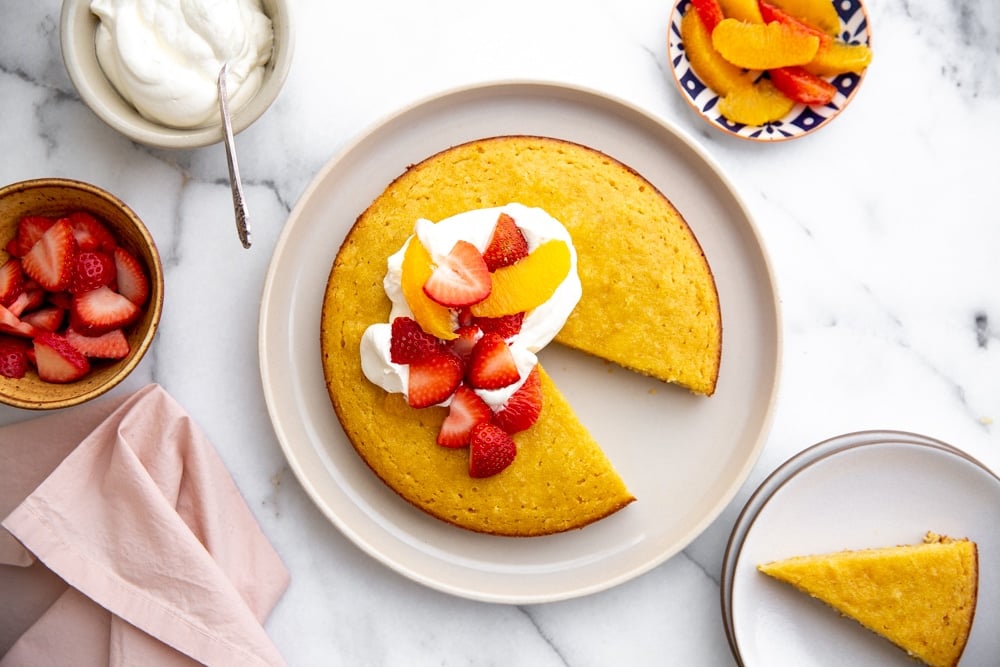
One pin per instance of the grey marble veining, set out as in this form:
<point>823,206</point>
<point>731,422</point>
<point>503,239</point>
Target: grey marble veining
<point>882,231</point>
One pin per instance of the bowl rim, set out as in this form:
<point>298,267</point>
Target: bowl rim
<point>154,306</point>
<point>77,27</point>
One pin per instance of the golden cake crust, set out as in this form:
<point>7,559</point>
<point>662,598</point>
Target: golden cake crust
<point>560,479</point>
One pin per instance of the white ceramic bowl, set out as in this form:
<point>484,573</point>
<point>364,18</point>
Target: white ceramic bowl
<point>78,28</point>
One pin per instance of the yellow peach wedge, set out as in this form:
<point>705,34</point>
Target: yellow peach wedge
<point>528,282</point>
<point>741,10</point>
<point>820,14</point>
<point>714,71</point>
<point>432,317</point>
<point>756,105</point>
<point>838,58</point>
<point>763,45</point>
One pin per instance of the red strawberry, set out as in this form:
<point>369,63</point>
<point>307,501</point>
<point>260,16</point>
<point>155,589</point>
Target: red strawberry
<point>29,229</point>
<point>11,280</point>
<point>505,326</point>
<point>62,299</point>
<point>29,299</point>
<point>467,338</point>
<point>50,261</point>
<point>409,343</point>
<point>491,365</point>
<point>110,345</point>
<point>523,407</point>
<point>92,270</point>
<point>101,310</point>
<point>49,318</point>
<point>13,357</point>
<point>133,283</point>
<point>433,379</point>
<point>58,360</point>
<point>491,450</point>
<point>507,244</point>
<point>465,411</point>
<point>461,279</point>
<point>90,233</point>
<point>802,86</point>
<point>710,13</point>
<point>10,323</point>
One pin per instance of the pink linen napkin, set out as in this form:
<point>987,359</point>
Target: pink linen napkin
<point>146,552</point>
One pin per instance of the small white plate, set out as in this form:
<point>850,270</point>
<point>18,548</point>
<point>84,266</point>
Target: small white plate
<point>860,490</point>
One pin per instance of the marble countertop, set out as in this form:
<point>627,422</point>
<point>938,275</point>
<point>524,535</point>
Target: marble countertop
<point>882,230</point>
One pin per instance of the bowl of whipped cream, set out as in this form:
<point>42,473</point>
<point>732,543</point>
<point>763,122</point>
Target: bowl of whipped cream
<point>150,68</point>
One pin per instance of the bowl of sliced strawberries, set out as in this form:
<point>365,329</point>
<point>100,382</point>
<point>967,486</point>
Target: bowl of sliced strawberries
<point>769,70</point>
<point>81,292</point>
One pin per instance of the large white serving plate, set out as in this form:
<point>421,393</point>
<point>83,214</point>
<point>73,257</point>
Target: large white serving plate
<point>867,489</point>
<point>683,456</point>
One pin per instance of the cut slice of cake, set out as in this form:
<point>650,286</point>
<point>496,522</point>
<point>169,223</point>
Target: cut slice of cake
<point>921,597</point>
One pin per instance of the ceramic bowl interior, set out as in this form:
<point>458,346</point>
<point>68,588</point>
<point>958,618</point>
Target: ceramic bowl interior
<point>55,197</point>
<point>78,29</point>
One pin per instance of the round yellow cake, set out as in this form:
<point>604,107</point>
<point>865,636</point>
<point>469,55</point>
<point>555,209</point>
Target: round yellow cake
<point>649,304</point>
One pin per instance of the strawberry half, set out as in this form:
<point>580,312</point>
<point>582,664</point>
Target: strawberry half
<point>57,360</point>
<point>51,260</point>
<point>101,310</point>
<point>13,357</point>
<point>12,324</point>
<point>29,299</point>
<point>433,379</point>
<point>133,283</point>
<point>110,345</point>
<point>466,340</point>
<point>491,364</point>
<point>465,411</point>
<point>505,326</point>
<point>90,233</point>
<point>507,244</point>
<point>460,279</point>
<point>523,407</point>
<point>29,229</point>
<point>48,318</point>
<point>11,281</point>
<point>409,343</point>
<point>91,270</point>
<point>491,450</point>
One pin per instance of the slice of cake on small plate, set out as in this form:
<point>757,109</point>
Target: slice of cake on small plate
<point>921,597</point>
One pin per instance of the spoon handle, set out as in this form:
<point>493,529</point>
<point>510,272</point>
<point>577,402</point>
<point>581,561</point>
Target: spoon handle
<point>239,205</point>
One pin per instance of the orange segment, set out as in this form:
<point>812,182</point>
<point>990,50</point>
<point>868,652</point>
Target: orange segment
<point>432,317</point>
<point>755,105</point>
<point>527,283</point>
<point>742,10</point>
<point>820,14</point>
<point>715,71</point>
<point>838,58</point>
<point>763,45</point>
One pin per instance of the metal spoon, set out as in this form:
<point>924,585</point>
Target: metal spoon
<point>239,206</point>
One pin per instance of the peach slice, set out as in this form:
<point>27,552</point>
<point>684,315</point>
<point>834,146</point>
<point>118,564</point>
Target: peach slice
<point>763,45</point>
<point>432,317</point>
<point>527,283</point>
<point>820,14</point>
<point>715,71</point>
<point>839,58</point>
<point>755,105</point>
<point>742,10</point>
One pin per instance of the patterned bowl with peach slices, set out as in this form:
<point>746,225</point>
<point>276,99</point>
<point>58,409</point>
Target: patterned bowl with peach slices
<point>769,70</point>
<point>81,292</point>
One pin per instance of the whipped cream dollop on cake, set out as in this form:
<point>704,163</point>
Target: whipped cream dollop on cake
<point>539,325</point>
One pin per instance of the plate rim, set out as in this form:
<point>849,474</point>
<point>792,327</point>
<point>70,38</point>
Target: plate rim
<point>746,225</point>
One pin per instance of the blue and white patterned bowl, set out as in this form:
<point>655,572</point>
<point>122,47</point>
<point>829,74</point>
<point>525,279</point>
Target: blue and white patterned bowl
<point>802,119</point>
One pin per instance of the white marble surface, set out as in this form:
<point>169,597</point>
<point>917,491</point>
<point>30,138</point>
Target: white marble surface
<point>882,228</point>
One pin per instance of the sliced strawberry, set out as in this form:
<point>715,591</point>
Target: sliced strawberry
<point>505,326</point>
<point>48,318</point>
<point>133,283</point>
<point>491,450</point>
<point>101,310</point>
<point>29,229</point>
<point>409,343</point>
<point>50,261</point>
<point>491,365</point>
<point>11,280</point>
<point>461,279</point>
<point>465,316</point>
<point>29,299</point>
<point>93,269</point>
<point>802,86</point>
<point>13,357</point>
<point>467,338</point>
<point>110,345</point>
<point>710,13</point>
<point>465,411</point>
<point>58,360</point>
<point>12,324</point>
<point>433,379</point>
<point>523,407</point>
<point>507,244</point>
<point>90,233</point>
